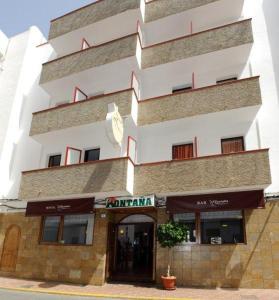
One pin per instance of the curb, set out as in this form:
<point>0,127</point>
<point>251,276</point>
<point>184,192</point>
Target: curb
<point>66,293</point>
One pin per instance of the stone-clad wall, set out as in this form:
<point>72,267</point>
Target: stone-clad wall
<point>217,98</point>
<point>203,174</point>
<point>159,9</point>
<point>228,36</point>
<point>80,113</point>
<point>89,15</point>
<point>251,265</point>
<point>87,178</point>
<point>77,264</point>
<point>89,58</point>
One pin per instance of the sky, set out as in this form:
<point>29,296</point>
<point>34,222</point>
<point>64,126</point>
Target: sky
<point>17,16</point>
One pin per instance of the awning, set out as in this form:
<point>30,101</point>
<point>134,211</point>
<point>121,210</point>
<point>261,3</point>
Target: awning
<point>215,202</point>
<point>60,207</point>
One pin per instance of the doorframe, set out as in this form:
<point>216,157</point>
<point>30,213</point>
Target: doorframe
<point>154,250</point>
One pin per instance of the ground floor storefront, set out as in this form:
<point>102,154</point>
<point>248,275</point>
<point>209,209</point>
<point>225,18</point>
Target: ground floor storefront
<point>224,248</point>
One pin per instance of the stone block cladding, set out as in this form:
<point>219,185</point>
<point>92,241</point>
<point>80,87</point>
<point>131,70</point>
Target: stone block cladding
<point>204,174</point>
<point>216,39</point>
<point>89,58</point>
<point>80,113</point>
<point>90,14</point>
<point>75,264</point>
<point>87,178</point>
<point>159,9</point>
<point>251,265</point>
<point>217,98</point>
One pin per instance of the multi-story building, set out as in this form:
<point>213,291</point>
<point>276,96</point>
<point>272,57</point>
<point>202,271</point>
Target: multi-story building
<point>20,68</point>
<point>158,110</point>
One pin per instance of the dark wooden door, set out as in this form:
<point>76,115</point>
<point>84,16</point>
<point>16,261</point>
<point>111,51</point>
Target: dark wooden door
<point>10,249</point>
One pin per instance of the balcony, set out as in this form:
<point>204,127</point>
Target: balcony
<point>155,10</point>
<point>245,170</point>
<point>89,58</point>
<point>220,38</point>
<point>237,94</point>
<point>107,177</point>
<point>90,14</point>
<point>80,113</point>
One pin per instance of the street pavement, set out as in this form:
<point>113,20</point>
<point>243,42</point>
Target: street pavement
<point>14,295</point>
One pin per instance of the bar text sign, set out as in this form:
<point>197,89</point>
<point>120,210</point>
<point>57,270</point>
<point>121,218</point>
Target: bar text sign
<point>130,202</point>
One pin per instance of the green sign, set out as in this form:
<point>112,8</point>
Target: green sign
<point>132,202</point>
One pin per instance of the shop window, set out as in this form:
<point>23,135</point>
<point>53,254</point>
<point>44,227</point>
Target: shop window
<point>183,151</point>
<point>92,155</point>
<point>54,161</point>
<point>51,229</point>
<point>182,88</point>
<point>68,229</point>
<point>188,219</point>
<point>224,227</point>
<point>232,145</point>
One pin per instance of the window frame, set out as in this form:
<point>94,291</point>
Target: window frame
<point>180,145</point>
<point>231,139</point>
<point>88,149</point>
<point>60,232</point>
<point>53,155</point>
<point>198,231</point>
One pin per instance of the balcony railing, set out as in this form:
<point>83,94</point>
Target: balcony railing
<point>104,176</point>
<point>155,10</point>
<point>80,113</point>
<point>89,58</point>
<point>216,98</point>
<point>90,14</point>
<point>204,42</point>
<point>204,174</point>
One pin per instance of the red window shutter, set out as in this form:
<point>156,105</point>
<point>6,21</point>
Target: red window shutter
<point>183,151</point>
<point>232,145</point>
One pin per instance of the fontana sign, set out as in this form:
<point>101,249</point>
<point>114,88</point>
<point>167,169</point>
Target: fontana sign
<point>130,202</point>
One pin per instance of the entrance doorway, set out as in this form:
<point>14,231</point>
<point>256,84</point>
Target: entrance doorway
<point>10,249</point>
<point>133,255</point>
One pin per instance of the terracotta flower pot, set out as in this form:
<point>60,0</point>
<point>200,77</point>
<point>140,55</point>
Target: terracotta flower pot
<point>169,283</point>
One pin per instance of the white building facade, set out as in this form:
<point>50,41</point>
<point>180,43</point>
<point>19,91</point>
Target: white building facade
<point>154,111</point>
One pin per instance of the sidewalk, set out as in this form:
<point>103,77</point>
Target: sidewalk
<point>130,291</point>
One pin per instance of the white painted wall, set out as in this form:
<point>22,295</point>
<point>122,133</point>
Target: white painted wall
<point>20,95</point>
<point>3,44</point>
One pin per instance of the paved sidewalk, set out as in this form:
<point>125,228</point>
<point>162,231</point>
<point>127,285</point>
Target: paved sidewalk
<point>131,291</point>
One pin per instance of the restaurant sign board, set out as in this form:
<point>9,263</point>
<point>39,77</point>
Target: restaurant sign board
<point>130,202</point>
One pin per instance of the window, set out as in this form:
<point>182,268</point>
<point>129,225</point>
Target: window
<point>188,219</point>
<point>68,230</point>
<point>232,145</point>
<point>224,227</point>
<point>220,227</point>
<point>182,88</point>
<point>226,80</point>
<point>91,155</point>
<point>183,151</point>
<point>54,161</point>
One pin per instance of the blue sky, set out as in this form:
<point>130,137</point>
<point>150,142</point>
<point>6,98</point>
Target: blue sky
<point>18,15</point>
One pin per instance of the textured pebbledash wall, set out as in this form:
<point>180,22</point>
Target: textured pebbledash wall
<point>80,113</point>
<point>76,264</point>
<point>89,15</point>
<point>255,265</point>
<point>159,9</point>
<point>89,58</point>
<point>101,176</point>
<point>201,101</point>
<point>204,174</point>
<point>228,36</point>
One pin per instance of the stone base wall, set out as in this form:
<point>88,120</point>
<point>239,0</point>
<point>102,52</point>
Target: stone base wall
<point>252,265</point>
<point>75,264</point>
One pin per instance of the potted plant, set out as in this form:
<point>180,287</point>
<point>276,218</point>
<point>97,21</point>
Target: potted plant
<point>170,235</point>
